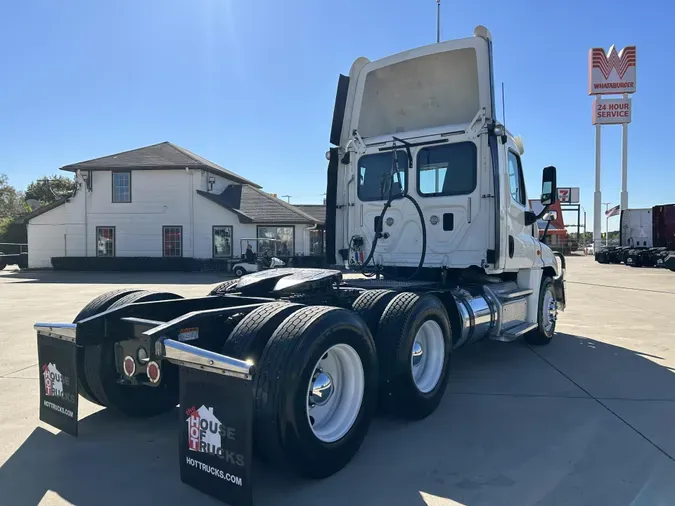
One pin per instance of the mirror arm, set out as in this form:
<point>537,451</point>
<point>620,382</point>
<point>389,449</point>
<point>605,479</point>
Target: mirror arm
<point>531,218</point>
<point>543,236</point>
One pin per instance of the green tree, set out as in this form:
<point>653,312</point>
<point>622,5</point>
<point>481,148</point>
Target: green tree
<point>12,204</point>
<point>47,189</point>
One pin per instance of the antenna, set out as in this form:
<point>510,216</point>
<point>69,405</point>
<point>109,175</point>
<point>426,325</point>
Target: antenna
<point>503,106</point>
<point>438,21</point>
<point>287,197</point>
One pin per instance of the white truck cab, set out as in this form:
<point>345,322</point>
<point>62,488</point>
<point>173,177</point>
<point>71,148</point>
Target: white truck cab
<point>434,107</point>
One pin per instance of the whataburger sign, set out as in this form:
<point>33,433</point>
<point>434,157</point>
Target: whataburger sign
<point>612,73</point>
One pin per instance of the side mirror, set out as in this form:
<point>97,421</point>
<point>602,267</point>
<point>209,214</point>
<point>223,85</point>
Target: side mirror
<point>551,216</point>
<point>549,186</point>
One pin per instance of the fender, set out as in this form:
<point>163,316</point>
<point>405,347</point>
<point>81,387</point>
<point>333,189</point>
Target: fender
<point>555,261</point>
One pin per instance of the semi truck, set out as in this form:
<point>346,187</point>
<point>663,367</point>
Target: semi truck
<point>646,238</point>
<point>431,246</point>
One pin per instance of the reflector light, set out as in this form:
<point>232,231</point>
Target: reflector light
<point>153,372</point>
<point>129,366</point>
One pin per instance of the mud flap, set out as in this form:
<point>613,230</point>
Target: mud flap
<point>57,360</point>
<point>215,444</point>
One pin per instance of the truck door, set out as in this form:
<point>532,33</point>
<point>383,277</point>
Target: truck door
<point>379,175</point>
<point>520,244</point>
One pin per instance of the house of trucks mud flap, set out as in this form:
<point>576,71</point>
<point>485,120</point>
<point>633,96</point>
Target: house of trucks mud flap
<point>215,396</point>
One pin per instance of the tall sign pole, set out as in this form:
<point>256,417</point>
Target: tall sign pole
<point>611,73</point>
<point>624,162</point>
<point>597,196</point>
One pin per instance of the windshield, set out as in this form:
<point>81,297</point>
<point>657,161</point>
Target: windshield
<point>375,175</point>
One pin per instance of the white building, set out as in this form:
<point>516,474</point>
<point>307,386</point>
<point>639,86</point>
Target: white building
<point>162,200</point>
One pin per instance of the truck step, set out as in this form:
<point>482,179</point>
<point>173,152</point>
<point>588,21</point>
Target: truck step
<point>515,332</point>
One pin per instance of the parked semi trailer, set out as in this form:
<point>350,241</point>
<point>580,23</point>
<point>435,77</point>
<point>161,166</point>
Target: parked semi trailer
<point>646,238</point>
<point>426,201</point>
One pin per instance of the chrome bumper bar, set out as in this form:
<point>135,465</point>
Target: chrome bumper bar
<point>197,358</point>
<point>63,331</point>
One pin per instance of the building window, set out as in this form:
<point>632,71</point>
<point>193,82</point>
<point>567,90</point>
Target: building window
<point>316,242</point>
<point>516,181</point>
<point>449,169</point>
<point>173,241</point>
<point>105,241</point>
<point>222,242</point>
<point>280,240</point>
<point>121,186</point>
<point>378,176</point>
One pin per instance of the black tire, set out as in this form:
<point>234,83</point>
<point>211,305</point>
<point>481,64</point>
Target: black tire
<point>2,265</point>
<point>239,272</point>
<point>223,287</point>
<point>400,322</point>
<point>248,339</point>
<point>98,305</point>
<point>370,305</point>
<point>281,426</point>
<point>540,336</point>
<point>102,375</point>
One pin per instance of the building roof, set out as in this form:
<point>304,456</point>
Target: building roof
<point>162,156</point>
<point>41,210</point>
<point>253,205</point>
<point>318,212</point>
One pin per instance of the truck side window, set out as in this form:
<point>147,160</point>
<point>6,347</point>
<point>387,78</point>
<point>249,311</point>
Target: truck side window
<point>516,178</point>
<point>450,169</point>
<point>377,175</point>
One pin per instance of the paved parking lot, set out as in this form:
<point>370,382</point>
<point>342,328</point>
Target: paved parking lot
<point>588,420</point>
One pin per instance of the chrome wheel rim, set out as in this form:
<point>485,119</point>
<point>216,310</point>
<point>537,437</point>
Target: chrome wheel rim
<point>427,356</point>
<point>550,309</point>
<point>335,393</point>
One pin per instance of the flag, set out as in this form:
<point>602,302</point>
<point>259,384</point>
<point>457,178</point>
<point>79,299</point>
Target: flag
<point>614,211</point>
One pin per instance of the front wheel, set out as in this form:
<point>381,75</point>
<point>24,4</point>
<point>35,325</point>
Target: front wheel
<point>239,271</point>
<point>547,315</point>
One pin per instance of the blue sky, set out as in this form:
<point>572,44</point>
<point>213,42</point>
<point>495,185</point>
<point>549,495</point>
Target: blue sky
<point>251,84</point>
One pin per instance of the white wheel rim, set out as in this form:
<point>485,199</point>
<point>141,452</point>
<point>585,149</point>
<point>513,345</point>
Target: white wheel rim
<point>335,393</point>
<point>550,308</point>
<point>427,356</point>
